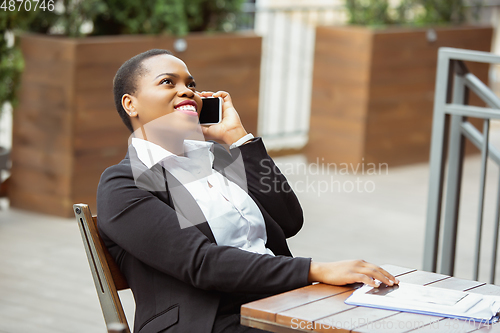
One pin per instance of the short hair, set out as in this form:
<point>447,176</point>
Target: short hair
<point>125,81</point>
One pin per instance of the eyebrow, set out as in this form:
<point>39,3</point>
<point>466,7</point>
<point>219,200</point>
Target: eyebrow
<point>174,75</point>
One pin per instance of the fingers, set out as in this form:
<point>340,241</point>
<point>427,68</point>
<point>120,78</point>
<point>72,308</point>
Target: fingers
<point>368,273</point>
<point>219,93</point>
<point>224,94</point>
<point>350,271</point>
<point>388,275</point>
<point>363,278</point>
<point>205,93</point>
<point>375,272</point>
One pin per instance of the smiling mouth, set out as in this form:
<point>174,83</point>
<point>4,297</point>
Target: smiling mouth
<point>187,107</point>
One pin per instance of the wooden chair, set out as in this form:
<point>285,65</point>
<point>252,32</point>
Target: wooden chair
<point>107,276</point>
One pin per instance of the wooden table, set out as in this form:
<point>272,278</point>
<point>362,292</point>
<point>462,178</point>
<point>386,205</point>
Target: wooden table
<point>321,308</point>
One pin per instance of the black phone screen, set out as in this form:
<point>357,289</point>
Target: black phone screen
<point>210,111</point>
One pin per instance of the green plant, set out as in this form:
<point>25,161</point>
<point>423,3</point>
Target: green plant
<point>11,67</point>
<point>374,12</point>
<point>177,17</point>
<point>414,12</point>
<point>112,17</point>
<point>75,13</point>
<point>11,59</point>
<point>445,11</point>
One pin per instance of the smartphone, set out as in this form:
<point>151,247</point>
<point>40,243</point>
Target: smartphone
<point>211,111</point>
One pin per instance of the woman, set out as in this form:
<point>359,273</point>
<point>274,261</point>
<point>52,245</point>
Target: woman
<point>193,227</point>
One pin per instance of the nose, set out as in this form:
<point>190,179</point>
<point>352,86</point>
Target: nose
<point>184,91</point>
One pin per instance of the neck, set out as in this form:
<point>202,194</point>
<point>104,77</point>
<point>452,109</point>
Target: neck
<point>171,143</point>
<point>169,140</point>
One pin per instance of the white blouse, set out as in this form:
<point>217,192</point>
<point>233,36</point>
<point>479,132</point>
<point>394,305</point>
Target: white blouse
<point>232,214</point>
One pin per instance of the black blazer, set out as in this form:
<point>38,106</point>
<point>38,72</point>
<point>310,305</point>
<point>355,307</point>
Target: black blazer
<point>178,274</point>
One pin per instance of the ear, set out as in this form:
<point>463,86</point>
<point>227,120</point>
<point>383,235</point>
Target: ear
<point>128,103</point>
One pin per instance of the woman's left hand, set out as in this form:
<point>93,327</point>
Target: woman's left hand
<point>230,129</point>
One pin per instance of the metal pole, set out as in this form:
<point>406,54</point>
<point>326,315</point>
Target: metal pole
<point>436,165</point>
<point>484,160</point>
<point>482,90</point>
<point>455,162</point>
<point>495,235</point>
<point>471,133</point>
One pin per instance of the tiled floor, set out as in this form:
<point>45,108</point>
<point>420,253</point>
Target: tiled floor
<point>46,286</point>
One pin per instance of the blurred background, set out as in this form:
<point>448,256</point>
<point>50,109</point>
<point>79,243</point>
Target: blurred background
<point>341,91</point>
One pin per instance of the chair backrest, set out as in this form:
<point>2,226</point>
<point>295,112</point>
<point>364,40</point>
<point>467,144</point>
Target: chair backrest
<point>107,276</point>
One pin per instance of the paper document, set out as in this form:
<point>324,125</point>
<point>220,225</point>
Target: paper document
<point>408,297</point>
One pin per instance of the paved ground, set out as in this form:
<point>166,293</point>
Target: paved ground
<point>46,286</point>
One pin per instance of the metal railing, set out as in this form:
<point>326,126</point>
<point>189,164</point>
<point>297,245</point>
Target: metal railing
<point>453,82</point>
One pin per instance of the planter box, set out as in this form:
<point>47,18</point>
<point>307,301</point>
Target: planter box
<point>66,130</point>
<point>373,91</point>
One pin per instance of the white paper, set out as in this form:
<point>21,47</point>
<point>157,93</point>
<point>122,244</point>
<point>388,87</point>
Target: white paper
<point>429,300</point>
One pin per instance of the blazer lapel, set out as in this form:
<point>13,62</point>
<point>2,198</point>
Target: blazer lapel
<point>230,166</point>
<point>186,207</point>
<point>158,180</point>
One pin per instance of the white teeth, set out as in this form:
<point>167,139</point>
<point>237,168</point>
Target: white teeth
<point>186,107</point>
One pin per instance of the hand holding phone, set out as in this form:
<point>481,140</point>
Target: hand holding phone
<point>227,128</point>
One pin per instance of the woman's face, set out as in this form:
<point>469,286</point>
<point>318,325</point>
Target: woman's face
<point>165,93</point>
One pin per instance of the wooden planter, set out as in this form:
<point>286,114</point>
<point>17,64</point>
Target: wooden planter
<point>66,129</point>
<point>373,90</point>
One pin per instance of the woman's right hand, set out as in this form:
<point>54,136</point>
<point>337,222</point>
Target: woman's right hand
<point>351,271</point>
<point>230,129</point>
